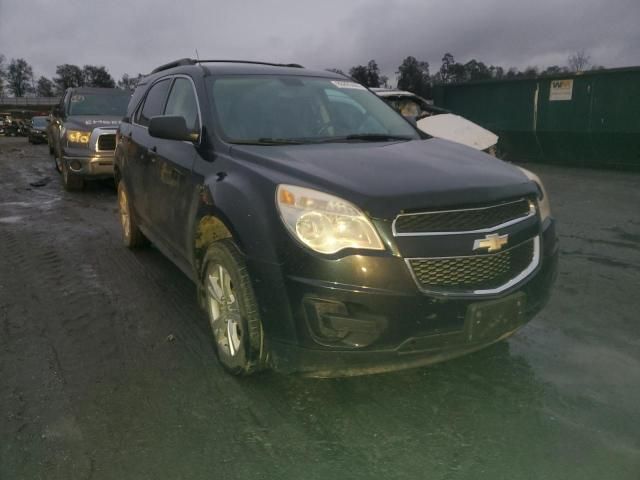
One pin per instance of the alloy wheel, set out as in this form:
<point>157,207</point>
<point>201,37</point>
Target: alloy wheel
<point>125,218</point>
<point>224,311</point>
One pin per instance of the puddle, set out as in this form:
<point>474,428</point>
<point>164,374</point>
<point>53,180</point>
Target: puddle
<point>11,220</point>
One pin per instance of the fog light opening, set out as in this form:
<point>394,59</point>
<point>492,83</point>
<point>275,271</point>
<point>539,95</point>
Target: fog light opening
<point>333,324</point>
<point>75,165</point>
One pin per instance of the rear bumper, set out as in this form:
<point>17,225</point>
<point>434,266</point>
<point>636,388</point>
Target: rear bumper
<point>347,328</point>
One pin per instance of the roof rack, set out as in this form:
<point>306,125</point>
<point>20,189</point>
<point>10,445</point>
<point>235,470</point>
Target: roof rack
<point>191,61</point>
<point>175,63</point>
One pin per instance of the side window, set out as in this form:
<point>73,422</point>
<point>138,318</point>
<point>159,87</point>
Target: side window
<point>154,103</point>
<point>182,101</point>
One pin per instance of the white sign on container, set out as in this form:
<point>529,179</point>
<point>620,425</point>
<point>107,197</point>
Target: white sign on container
<point>561,90</point>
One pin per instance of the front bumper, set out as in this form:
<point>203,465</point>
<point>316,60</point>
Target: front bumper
<point>38,136</point>
<point>328,328</point>
<point>95,166</point>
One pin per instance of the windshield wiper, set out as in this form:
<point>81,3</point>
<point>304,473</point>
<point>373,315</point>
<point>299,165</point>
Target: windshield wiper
<point>270,141</point>
<point>376,137</point>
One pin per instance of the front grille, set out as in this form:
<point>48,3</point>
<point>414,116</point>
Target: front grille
<point>107,142</point>
<point>463,220</point>
<point>476,272</point>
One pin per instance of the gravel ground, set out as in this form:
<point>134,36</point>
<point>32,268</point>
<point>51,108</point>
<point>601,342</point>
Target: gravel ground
<point>107,368</point>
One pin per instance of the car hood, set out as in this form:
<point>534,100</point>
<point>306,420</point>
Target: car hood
<point>458,129</point>
<point>387,178</point>
<point>89,122</point>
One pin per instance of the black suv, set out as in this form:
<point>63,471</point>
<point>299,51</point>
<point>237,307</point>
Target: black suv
<point>82,133</point>
<point>325,234</point>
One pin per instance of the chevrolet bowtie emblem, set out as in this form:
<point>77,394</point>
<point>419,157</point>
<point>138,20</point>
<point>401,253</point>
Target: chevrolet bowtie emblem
<point>492,242</point>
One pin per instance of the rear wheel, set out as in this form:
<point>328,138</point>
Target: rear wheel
<point>233,309</point>
<point>131,234</point>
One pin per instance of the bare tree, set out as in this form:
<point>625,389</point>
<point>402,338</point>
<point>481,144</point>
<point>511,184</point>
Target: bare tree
<point>579,61</point>
<point>2,75</point>
<point>19,76</point>
<point>44,87</point>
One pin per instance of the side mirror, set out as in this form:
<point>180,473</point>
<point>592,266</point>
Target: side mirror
<point>171,127</point>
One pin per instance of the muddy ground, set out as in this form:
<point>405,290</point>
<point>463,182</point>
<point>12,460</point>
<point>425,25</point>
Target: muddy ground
<point>107,369</point>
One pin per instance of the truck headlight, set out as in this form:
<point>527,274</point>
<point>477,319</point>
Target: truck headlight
<point>543,198</point>
<point>78,136</point>
<point>324,223</point>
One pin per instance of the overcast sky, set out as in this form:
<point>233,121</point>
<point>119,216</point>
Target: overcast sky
<point>134,36</point>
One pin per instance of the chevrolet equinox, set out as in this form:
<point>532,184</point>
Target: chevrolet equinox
<point>324,232</point>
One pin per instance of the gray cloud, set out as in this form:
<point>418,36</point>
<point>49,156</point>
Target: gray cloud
<point>135,36</point>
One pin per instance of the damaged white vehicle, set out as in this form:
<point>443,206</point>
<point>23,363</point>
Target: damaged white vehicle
<point>439,122</point>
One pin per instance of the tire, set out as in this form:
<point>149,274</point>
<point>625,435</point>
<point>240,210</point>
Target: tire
<point>70,181</point>
<point>232,309</point>
<point>57,159</point>
<point>131,235</point>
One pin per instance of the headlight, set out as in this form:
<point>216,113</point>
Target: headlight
<point>78,136</point>
<point>543,198</point>
<point>324,223</point>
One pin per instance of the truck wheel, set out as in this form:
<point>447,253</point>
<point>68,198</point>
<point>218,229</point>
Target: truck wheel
<point>57,160</point>
<point>232,309</point>
<point>70,181</point>
<point>131,234</point>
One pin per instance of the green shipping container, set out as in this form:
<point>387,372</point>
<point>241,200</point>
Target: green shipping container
<point>590,119</point>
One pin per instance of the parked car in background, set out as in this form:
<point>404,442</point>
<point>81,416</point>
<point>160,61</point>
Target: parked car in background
<point>438,122</point>
<point>38,130</point>
<point>16,128</point>
<point>324,232</point>
<point>82,133</point>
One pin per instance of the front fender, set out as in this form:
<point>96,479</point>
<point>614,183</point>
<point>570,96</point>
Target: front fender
<point>247,207</point>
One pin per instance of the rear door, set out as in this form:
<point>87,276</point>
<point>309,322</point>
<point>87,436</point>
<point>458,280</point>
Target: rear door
<point>174,189</point>
<point>141,154</point>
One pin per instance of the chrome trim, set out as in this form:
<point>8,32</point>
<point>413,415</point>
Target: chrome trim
<point>532,213</point>
<point>535,261</point>
<point>95,135</point>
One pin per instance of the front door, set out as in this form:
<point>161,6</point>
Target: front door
<point>175,190</point>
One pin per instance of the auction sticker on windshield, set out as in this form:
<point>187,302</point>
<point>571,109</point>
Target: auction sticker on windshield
<point>340,84</point>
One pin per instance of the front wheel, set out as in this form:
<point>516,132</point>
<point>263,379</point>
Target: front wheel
<point>70,181</point>
<point>233,310</point>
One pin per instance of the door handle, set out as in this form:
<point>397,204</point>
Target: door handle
<point>151,153</point>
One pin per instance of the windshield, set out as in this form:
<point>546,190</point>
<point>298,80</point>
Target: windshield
<point>292,109</point>
<point>39,121</point>
<point>112,103</point>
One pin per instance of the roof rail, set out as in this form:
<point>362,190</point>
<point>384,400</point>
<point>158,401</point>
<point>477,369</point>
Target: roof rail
<point>175,63</point>
<point>253,62</point>
<point>191,61</point>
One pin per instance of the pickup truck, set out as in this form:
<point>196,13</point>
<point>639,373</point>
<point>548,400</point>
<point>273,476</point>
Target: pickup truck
<point>82,133</point>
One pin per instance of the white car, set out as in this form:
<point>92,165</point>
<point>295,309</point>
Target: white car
<point>439,122</point>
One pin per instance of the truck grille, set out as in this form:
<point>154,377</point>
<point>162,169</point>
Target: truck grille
<point>107,142</point>
<point>470,274</point>
<point>464,220</point>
